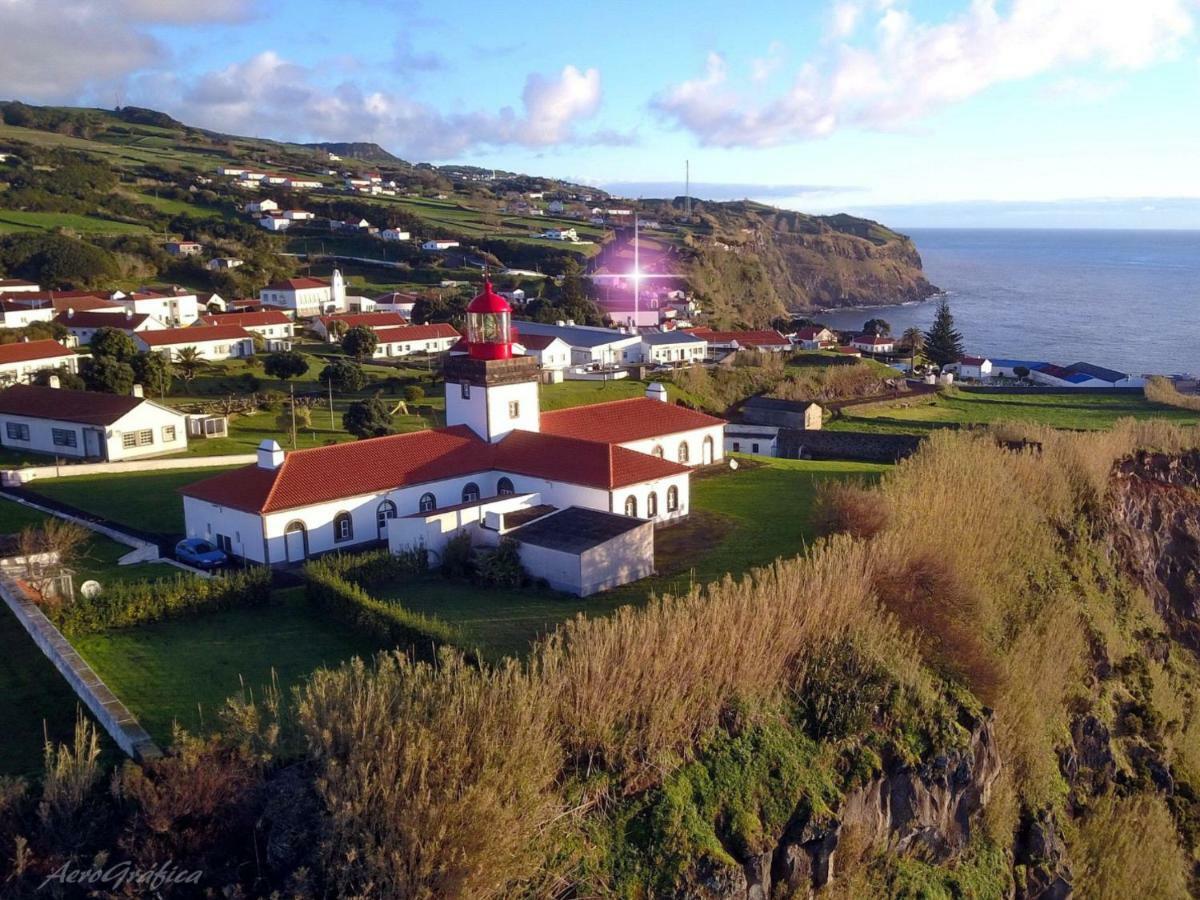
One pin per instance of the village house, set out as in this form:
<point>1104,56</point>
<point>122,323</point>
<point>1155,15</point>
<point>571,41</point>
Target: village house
<point>212,342</point>
<point>677,348</point>
<point>553,354</point>
<point>765,340</point>
<point>439,245</point>
<point>874,343</point>
<point>591,346</point>
<point>184,248</point>
<point>298,215</point>
<point>83,324</point>
<point>435,338</point>
<point>272,325</point>
<point>307,297</point>
<point>394,234</point>
<point>974,367</point>
<point>805,415</point>
<point>815,337</point>
<point>498,457</point>
<point>88,425</point>
<point>172,309</point>
<point>21,314</point>
<point>757,440</point>
<point>17,285</point>
<point>19,362</point>
<point>265,205</point>
<point>274,223</point>
<point>61,301</point>
<point>561,234</point>
<point>302,184</point>
<point>331,328</point>
<point>224,263</point>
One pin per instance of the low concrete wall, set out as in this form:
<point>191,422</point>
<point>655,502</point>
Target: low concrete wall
<point>865,446</point>
<point>17,477</point>
<point>113,716</point>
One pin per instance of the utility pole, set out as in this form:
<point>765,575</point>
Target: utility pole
<point>293,416</point>
<point>332,427</point>
<point>687,187</point>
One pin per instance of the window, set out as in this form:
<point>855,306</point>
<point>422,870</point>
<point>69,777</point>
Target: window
<point>386,510</point>
<point>168,434</point>
<point>470,492</point>
<point>737,447</point>
<point>672,498</point>
<point>683,451</point>
<point>652,505</point>
<point>64,437</point>
<point>514,409</point>
<point>754,448</point>
<point>142,438</point>
<point>17,431</point>
<point>657,451</point>
<point>223,543</point>
<point>343,527</point>
<point>427,503</point>
<point>504,487</point>
<point>631,506</point>
<point>466,391</point>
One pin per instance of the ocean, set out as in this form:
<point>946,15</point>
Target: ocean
<point>1129,300</point>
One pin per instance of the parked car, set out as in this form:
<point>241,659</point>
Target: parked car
<point>200,553</point>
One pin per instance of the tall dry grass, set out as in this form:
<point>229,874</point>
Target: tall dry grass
<point>1163,390</point>
<point>1128,847</point>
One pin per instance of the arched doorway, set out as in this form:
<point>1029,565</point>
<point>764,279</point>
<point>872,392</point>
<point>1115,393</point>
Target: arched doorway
<point>706,453</point>
<point>504,487</point>
<point>470,493</point>
<point>295,542</point>
<point>386,510</point>
<point>631,506</point>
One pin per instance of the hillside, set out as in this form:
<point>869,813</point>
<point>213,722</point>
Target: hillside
<point>135,173</point>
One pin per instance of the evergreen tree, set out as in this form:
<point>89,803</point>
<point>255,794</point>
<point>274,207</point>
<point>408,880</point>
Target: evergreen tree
<point>943,345</point>
<point>367,418</point>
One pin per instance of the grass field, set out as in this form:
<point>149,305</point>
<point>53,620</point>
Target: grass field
<point>143,500</point>
<point>1064,410</point>
<point>182,671</point>
<point>12,220</point>
<point>726,532</point>
<point>581,393</point>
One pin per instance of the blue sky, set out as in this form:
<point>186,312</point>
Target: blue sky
<point>993,112</point>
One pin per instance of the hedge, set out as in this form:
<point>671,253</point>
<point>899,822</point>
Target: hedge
<point>138,602</point>
<point>334,583</point>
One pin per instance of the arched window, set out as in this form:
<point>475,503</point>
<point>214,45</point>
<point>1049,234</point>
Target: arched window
<point>683,451</point>
<point>657,451</point>
<point>631,505</point>
<point>343,527</point>
<point>386,510</point>
<point>652,505</point>
<point>706,455</point>
<point>672,498</point>
<point>427,503</point>
<point>504,487</point>
<point>470,492</point>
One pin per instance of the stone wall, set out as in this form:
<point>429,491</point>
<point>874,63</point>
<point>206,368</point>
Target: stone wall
<point>865,446</point>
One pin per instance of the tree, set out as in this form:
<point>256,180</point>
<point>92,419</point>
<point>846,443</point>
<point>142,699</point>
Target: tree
<point>108,375</point>
<point>915,339</point>
<point>1021,371</point>
<point>113,344</point>
<point>414,393</point>
<point>360,342</point>
<point>285,420</point>
<point>368,418</point>
<point>345,375</point>
<point>943,345</point>
<point>285,365</point>
<point>189,362</point>
<point>877,326</point>
<point>153,372</point>
<point>66,378</point>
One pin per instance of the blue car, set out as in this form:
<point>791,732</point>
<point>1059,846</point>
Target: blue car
<point>200,553</point>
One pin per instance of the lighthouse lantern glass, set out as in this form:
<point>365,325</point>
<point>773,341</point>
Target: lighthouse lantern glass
<point>488,327</point>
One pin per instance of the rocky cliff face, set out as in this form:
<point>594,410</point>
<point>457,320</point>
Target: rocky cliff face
<point>927,810</point>
<point>1156,516</point>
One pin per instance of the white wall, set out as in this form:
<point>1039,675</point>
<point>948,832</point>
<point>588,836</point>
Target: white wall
<point>104,443</point>
<point>208,520</point>
<point>434,530</point>
<point>660,487</point>
<point>486,410</point>
<point>232,348</point>
<point>694,439</point>
<point>627,557</point>
<point>23,372</point>
<point>414,345</point>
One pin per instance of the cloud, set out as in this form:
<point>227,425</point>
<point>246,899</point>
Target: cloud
<point>904,69</point>
<point>408,59</point>
<point>269,95</point>
<point>55,52</point>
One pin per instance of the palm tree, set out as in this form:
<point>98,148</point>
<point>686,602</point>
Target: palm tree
<point>188,361</point>
<point>915,338</point>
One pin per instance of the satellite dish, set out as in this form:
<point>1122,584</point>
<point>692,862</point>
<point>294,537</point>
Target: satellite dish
<point>733,464</point>
<point>90,589</point>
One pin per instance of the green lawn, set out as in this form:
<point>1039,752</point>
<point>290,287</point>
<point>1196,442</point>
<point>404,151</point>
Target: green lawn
<point>1063,410</point>
<point>144,500</point>
<point>182,671</point>
<point>12,220</point>
<point>726,532</point>
<point>581,393</point>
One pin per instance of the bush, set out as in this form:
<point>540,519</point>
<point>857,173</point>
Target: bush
<point>414,393</point>
<point>458,557</point>
<point>122,605</point>
<point>502,567</point>
<point>848,508</point>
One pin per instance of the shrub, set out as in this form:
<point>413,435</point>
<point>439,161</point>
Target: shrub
<point>1127,847</point>
<point>502,567</point>
<point>458,557</point>
<point>848,508</point>
<point>414,393</point>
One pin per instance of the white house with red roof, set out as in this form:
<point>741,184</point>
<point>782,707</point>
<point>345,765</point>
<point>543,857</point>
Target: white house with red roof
<point>17,314</point>
<point>621,465</point>
<point>874,343</point>
<point>767,340</point>
<point>212,342</point>
<point>306,297</point>
<point>19,362</point>
<point>178,308</point>
<point>83,324</point>
<point>331,328</point>
<point>436,337</point>
<point>17,285</point>
<point>273,325</point>
<point>815,337</point>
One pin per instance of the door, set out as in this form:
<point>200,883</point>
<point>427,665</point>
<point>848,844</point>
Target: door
<point>707,453</point>
<point>92,445</point>
<point>294,542</point>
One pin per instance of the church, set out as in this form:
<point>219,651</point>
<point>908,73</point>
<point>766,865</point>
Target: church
<point>592,481</point>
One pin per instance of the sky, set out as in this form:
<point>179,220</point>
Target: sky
<point>990,113</point>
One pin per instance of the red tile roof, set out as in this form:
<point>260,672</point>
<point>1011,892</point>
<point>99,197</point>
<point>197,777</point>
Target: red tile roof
<point>82,318</point>
<point>536,341</point>
<point>27,351</point>
<point>296,284</point>
<point>371,320</point>
<point>86,407</point>
<point>763,338</point>
<point>972,360</point>
<point>875,340</point>
<point>624,420</point>
<point>246,319</point>
<point>416,333</point>
<point>326,474</point>
<point>810,332</point>
<point>197,334</point>
<point>15,282</point>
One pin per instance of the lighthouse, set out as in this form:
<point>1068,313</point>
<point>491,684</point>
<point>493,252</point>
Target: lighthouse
<point>491,390</point>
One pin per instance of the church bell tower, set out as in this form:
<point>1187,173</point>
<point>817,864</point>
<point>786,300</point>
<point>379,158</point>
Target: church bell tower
<point>489,389</point>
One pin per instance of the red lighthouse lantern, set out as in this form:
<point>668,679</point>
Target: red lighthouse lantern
<point>489,325</point>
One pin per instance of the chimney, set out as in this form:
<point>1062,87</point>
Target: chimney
<point>560,323</point>
<point>270,455</point>
<point>70,312</point>
<point>655,391</point>
<point>128,313</point>
<point>137,391</point>
<point>570,323</point>
<point>54,382</point>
